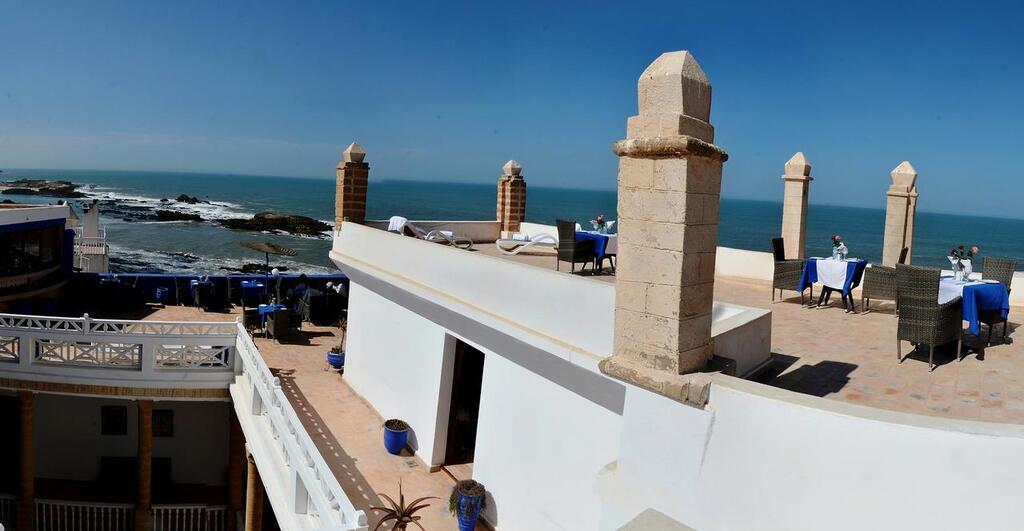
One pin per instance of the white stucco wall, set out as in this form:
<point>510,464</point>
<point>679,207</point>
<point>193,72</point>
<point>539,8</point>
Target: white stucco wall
<point>539,449</point>
<point>766,458</point>
<point>394,359</point>
<point>68,443</point>
<point>540,446</point>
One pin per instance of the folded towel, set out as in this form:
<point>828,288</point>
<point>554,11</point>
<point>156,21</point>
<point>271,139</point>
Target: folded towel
<point>397,223</point>
<point>521,237</point>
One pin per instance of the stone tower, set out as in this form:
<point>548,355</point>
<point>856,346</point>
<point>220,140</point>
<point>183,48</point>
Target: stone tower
<point>350,186</point>
<point>511,197</point>
<point>670,177</point>
<point>797,178</point>
<point>900,210</point>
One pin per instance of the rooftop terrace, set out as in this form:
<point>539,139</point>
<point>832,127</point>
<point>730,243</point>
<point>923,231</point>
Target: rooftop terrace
<point>852,357</point>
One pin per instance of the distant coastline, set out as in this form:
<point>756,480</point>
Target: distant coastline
<point>209,247</point>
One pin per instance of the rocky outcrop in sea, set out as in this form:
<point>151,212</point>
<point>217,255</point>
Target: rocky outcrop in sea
<point>271,222</point>
<point>63,189</point>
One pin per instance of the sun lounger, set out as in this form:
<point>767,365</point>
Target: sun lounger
<point>404,226</point>
<point>520,243</point>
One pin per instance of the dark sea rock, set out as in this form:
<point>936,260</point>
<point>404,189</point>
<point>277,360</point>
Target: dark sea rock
<point>251,268</point>
<point>192,200</point>
<point>64,189</point>
<point>269,221</point>
<point>125,212</point>
<point>170,215</point>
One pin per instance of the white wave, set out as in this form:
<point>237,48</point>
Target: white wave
<point>213,210</point>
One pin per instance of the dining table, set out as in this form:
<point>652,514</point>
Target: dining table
<point>842,275</point>
<point>978,296</point>
<point>605,245</point>
<point>267,309</point>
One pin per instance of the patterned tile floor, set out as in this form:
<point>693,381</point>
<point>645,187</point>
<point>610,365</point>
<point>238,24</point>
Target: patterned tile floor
<point>852,357</point>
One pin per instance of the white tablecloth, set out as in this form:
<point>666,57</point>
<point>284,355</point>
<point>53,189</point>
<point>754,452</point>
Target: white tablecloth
<point>950,289</point>
<point>612,247</point>
<point>832,273</point>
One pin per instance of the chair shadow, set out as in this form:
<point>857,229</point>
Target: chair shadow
<point>342,465</point>
<point>303,337</point>
<point>946,354</point>
<point>821,379</point>
<point>977,345</point>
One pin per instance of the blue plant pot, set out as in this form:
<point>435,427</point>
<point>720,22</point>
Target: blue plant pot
<point>394,440</point>
<point>468,511</point>
<point>336,361</point>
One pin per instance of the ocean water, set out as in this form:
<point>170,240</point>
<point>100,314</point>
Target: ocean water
<point>207,247</point>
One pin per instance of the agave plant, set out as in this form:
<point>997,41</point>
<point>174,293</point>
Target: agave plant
<point>402,514</point>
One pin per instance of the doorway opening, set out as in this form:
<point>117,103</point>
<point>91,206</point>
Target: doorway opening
<point>467,378</point>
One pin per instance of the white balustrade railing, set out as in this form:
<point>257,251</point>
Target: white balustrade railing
<point>90,241</point>
<point>88,325</point>
<point>59,515</point>
<point>321,494</point>
<point>189,518</point>
<point>134,350</point>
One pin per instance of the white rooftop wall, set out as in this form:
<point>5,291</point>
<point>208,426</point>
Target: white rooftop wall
<point>765,458</point>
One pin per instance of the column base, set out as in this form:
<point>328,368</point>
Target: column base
<point>143,519</point>
<point>25,516</point>
<point>692,389</point>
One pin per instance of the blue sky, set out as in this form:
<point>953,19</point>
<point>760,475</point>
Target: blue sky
<point>449,91</point>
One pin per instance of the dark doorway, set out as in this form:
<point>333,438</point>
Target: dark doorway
<point>467,377</point>
<point>10,444</point>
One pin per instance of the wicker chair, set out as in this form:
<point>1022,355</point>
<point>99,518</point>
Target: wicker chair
<point>572,250</point>
<point>1000,269</point>
<point>279,325</point>
<point>879,283</point>
<point>922,320</point>
<point>251,319</point>
<point>787,272</point>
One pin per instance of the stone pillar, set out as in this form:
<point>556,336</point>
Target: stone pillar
<point>143,505</point>
<point>253,497</point>
<point>27,466</point>
<point>900,209</point>
<point>511,198</point>
<point>236,469</point>
<point>670,177</point>
<point>797,178</point>
<point>350,186</point>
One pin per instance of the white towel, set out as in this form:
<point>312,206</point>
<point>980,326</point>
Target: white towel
<point>519,237</point>
<point>397,224</point>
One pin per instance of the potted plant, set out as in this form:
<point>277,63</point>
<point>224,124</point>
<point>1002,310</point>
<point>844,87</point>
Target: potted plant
<point>402,514</point>
<point>336,356</point>
<point>468,498</point>
<point>396,435</point>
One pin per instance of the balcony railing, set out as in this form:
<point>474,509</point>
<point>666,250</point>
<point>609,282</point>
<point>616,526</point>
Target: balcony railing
<point>60,515</point>
<point>118,352</point>
<point>189,518</point>
<point>98,242</point>
<point>314,492</point>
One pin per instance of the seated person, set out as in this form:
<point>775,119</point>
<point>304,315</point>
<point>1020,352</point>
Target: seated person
<point>295,294</point>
